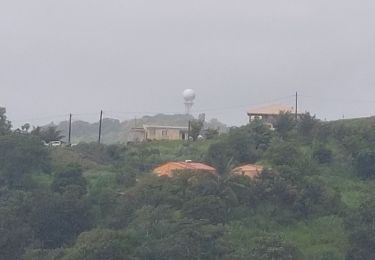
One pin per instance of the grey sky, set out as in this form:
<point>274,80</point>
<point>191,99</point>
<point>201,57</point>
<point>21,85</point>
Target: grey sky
<point>121,56</point>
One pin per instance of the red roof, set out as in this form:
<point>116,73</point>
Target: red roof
<point>167,169</point>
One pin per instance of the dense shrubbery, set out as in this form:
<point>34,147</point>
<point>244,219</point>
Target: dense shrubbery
<point>313,200</point>
<point>242,145</point>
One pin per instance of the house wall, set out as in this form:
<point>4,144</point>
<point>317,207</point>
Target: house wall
<point>265,118</point>
<point>164,134</point>
<point>136,135</point>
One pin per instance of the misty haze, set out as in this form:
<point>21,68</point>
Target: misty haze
<point>178,130</point>
<point>131,58</point>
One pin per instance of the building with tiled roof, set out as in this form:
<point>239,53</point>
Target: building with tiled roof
<point>268,114</point>
<point>250,170</point>
<point>169,168</point>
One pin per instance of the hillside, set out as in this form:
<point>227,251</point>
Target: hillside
<point>315,199</point>
<point>114,131</point>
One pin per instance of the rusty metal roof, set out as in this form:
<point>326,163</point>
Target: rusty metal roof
<point>167,169</point>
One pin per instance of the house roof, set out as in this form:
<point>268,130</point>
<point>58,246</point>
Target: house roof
<point>165,127</point>
<point>270,110</point>
<point>167,169</point>
<point>250,170</point>
<point>137,129</point>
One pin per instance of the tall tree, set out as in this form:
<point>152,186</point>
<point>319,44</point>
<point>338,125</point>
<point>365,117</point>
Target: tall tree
<point>285,123</point>
<point>274,247</point>
<point>69,179</point>
<point>98,244</point>
<point>196,128</point>
<point>20,155</point>
<point>5,125</point>
<point>51,134</point>
<point>58,219</point>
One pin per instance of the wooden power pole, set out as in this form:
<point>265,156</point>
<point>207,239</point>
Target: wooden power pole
<point>70,129</point>
<point>100,126</point>
<point>296,112</point>
<point>189,130</point>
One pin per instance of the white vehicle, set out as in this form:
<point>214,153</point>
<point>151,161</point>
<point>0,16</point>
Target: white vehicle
<point>55,143</point>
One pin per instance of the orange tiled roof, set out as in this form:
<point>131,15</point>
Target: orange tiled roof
<point>250,170</point>
<point>167,169</point>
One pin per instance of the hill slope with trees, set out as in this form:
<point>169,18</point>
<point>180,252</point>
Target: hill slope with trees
<point>115,131</point>
<point>314,200</point>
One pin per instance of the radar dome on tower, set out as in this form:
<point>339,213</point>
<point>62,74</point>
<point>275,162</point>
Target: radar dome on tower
<point>189,94</point>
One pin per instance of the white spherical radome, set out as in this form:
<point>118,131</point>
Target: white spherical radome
<point>189,94</point>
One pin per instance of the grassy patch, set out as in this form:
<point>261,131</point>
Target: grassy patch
<point>319,238</point>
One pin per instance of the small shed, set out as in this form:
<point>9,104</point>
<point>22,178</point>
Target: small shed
<point>250,170</point>
<point>169,168</point>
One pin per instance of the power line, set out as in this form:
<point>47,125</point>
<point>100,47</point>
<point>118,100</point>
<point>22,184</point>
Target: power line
<point>339,99</point>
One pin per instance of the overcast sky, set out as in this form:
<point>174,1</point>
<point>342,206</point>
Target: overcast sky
<point>135,57</point>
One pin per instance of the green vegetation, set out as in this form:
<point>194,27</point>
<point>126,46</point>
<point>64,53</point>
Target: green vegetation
<point>314,200</point>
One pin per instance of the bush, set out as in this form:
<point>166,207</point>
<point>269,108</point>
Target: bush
<point>283,153</point>
<point>69,178</point>
<point>323,155</point>
<point>274,247</point>
<point>365,164</point>
<point>99,244</point>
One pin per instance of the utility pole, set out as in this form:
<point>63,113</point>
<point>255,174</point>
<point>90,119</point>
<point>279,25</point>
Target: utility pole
<point>100,126</point>
<point>296,112</point>
<point>70,129</point>
<point>189,129</point>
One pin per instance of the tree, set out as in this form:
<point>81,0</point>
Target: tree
<point>51,134</point>
<point>187,239</point>
<point>315,197</point>
<point>322,154</point>
<point>274,247</point>
<point>211,133</point>
<point>365,163</point>
<point>68,179</point>
<point>361,226</point>
<point>283,153</point>
<point>211,208</point>
<point>15,230</point>
<point>307,124</point>
<point>5,125</point>
<point>285,123</point>
<point>99,244</point>
<point>275,188</point>
<point>220,155</point>
<point>57,219</point>
<point>25,128</point>
<point>20,155</point>
<point>195,128</point>
<point>242,145</point>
